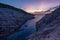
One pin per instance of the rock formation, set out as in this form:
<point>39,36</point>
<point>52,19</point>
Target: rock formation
<point>11,19</point>
<point>48,28</point>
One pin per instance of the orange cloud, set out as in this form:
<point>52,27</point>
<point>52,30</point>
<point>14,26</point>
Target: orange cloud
<point>30,8</point>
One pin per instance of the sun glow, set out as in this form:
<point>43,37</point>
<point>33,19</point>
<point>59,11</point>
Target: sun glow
<point>39,7</point>
<point>33,10</point>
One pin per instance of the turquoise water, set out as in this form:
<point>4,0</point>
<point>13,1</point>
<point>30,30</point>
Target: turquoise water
<point>21,35</point>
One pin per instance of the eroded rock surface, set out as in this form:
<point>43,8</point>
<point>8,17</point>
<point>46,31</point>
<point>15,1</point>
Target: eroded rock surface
<point>48,28</point>
<point>11,19</point>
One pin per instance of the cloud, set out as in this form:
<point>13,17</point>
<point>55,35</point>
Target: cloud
<point>40,6</point>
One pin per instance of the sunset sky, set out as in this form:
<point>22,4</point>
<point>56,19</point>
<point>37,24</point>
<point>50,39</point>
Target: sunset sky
<point>32,5</point>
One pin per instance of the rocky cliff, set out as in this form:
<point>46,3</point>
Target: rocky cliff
<point>48,19</point>
<point>11,19</point>
<point>48,28</point>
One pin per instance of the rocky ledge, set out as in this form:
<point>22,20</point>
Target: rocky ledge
<point>48,28</point>
<point>11,19</point>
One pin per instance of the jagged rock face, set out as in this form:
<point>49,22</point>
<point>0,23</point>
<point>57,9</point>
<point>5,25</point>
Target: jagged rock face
<point>52,33</point>
<point>48,28</point>
<point>11,19</point>
<point>48,19</point>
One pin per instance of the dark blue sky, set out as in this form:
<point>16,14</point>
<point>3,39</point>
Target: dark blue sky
<point>32,5</point>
